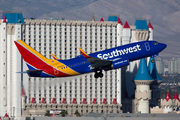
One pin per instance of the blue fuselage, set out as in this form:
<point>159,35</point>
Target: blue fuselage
<point>131,51</point>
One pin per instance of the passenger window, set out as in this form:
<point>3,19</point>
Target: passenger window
<point>155,43</point>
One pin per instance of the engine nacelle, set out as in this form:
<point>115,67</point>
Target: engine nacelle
<point>120,63</point>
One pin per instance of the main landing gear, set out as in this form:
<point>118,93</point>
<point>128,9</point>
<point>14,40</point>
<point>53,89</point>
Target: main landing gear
<point>98,74</point>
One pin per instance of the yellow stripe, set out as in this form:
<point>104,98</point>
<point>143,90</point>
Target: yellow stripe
<point>54,63</point>
<point>54,56</point>
<point>83,52</point>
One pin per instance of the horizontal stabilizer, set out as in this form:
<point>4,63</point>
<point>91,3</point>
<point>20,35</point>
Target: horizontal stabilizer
<point>22,72</point>
<point>34,73</point>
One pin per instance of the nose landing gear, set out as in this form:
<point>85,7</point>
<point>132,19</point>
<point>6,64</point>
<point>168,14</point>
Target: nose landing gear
<point>98,74</point>
<point>152,61</point>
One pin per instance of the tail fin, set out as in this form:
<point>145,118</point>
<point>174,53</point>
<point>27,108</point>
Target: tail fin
<point>33,59</point>
<point>54,57</point>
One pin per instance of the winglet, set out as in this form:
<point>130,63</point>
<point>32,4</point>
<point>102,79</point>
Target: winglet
<point>54,57</point>
<point>84,54</point>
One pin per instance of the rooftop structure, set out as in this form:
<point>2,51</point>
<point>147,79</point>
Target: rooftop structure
<point>150,26</point>
<point>126,25</point>
<point>101,20</point>
<point>141,25</point>
<point>167,96</point>
<point>119,21</point>
<point>113,18</point>
<point>143,73</point>
<point>153,71</point>
<point>14,17</point>
<point>176,96</point>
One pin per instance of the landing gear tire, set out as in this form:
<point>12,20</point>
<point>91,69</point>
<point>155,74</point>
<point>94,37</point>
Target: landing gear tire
<point>96,75</point>
<point>152,61</point>
<point>100,74</point>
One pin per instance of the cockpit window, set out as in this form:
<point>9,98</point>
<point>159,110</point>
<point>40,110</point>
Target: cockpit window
<point>155,43</point>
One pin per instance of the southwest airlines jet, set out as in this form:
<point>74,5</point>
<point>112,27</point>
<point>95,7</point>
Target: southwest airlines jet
<point>114,58</point>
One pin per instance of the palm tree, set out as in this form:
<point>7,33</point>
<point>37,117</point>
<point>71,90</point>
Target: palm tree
<point>77,113</point>
<point>64,113</point>
<point>47,113</point>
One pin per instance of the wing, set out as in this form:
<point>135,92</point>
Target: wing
<point>96,63</point>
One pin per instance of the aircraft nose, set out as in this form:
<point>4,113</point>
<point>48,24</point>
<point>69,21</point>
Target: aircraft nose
<point>163,46</point>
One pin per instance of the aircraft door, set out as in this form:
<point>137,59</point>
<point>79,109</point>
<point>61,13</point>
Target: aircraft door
<point>147,46</point>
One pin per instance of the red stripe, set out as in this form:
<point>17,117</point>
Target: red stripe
<point>86,56</point>
<point>54,58</point>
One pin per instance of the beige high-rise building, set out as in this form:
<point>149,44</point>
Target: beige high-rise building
<point>160,65</point>
<point>178,62</point>
<point>173,66</point>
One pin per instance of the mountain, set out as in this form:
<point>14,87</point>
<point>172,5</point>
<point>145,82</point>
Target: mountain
<point>163,14</point>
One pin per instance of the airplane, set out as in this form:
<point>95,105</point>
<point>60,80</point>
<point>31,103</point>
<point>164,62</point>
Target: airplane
<point>114,58</point>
